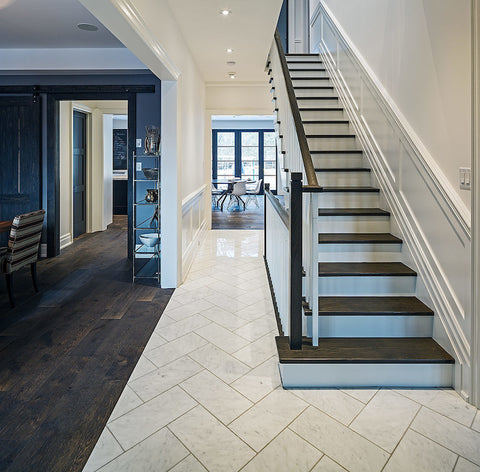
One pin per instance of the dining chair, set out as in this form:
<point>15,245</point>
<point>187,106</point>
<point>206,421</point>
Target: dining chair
<point>22,249</point>
<point>253,194</point>
<point>216,194</point>
<point>239,189</point>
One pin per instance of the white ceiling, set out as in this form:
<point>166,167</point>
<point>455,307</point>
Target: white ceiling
<point>50,24</point>
<point>248,31</point>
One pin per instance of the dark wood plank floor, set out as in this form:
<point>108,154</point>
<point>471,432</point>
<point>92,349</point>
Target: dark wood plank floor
<point>251,218</point>
<point>67,353</point>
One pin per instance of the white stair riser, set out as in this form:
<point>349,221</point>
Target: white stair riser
<point>326,128</point>
<point>324,102</point>
<point>315,92</point>
<point>305,65</point>
<point>332,144</point>
<point>367,285</point>
<point>321,114</point>
<point>337,161</point>
<point>374,326</point>
<point>310,83</point>
<point>344,179</point>
<point>294,74</point>
<point>359,252</point>
<point>348,200</point>
<point>354,224</point>
<point>298,57</point>
<point>427,375</point>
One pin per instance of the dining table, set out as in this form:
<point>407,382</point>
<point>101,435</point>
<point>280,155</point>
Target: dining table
<point>5,226</point>
<point>229,183</point>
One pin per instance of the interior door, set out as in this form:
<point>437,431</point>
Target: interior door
<point>20,156</point>
<point>79,173</point>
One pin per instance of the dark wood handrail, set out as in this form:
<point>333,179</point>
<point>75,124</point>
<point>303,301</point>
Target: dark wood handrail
<point>302,139</point>
<point>282,213</point>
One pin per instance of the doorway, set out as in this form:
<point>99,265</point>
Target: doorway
<point>79,167</point>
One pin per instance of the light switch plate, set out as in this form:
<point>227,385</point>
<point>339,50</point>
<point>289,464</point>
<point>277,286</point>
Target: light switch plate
<point>465,177</point>
<point>139,166</point>
<point>139,142</point>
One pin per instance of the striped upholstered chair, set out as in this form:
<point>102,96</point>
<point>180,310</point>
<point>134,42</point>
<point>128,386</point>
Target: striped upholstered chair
<point>22,248</point>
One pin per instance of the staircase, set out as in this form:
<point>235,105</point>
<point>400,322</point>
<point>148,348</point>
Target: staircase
<point>373,330</point>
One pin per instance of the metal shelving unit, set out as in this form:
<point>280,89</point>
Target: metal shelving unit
<point>146,254</point>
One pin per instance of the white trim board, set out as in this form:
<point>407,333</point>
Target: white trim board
<point>412,188</point>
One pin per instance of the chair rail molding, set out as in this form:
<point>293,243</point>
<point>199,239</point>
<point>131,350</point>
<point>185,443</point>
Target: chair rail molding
<point>194,225</point>
<point>430,216</point>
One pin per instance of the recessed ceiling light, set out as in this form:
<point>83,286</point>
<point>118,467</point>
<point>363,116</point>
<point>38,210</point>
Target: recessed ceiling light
<point>87,27</point>
<point>229,50</point>
<point>225,12</point>
<point>231,63</point>
<point>232,75</point>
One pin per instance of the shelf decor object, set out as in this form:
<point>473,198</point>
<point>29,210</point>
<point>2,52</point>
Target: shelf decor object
<point>152,141</point>
<point>146,214</point>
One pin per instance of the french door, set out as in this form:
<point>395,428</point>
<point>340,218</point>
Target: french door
<point>246,154</point>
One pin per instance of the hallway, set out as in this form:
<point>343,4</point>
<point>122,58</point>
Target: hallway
<point>206,394</point>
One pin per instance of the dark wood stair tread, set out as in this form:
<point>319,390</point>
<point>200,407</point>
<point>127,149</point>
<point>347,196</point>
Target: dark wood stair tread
<point>358,238</point>
<point>336,151</point>
<point>317,98</point>
<point>310,78</point>
<point>351,189</point>
<point>330,122</point>
<point>331,135</point>
<point>352,212</point>
<point>364,350</point>
<point>315,87</point>
<point>310,69</point>
<point>370,269</point>
<point>370,306</point>
<point>321,109</point>
<point>342,169</point>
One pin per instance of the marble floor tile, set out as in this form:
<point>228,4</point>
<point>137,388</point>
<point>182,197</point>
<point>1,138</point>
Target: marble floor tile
<point>220,363</point>
<point>106,449</point>
<point>450,434</point>
<point>476,421</point>
<point>418,453</point>
<point>189,309</point>
<point>333,402</point>
<point>214,445</point>
<point>189,464</point>
<point>385,419</point>
<point>259,351</point>
<point>224,318</point>
<point>466,466</point>
<point>286,453</point>
<point>150,417</point>
<point>362,394</point>
<point>175,349</point>
<point>164,378</point>
<point>216,396</point>
<point>181,328</point>
<point>327,465</point>
<point>222,337</point>
<point>128,401</point>
<point>258,328</point>
<point>190,295</point>
<point>267,418</point>
<point>155,341</point>
<point>447,403</point>
<point>144,366</point>
<point>226,302</point>
<point>159,452</point>
<point>252,312</point>
<point>260,381</point>
<point>349,449</point>
<point>262,306</point>
<point>164,321</point>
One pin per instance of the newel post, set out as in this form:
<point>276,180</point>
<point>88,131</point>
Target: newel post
<point>295,231</point>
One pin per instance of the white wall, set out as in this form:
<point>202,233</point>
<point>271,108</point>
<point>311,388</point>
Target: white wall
<point>243,124</point>
<point>420,51</point>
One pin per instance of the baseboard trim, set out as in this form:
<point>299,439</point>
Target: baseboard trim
<point>65,240</point>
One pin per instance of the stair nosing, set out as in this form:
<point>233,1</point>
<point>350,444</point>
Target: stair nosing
<point>327,135</point>
<point>369,238</point>
<point>336,151</point>
<point>351,189</point>
<point>388,271</point>
<point>342,169</point>
<point>350,212</point>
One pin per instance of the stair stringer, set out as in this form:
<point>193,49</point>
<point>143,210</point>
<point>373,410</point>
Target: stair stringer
<point>452,309</point>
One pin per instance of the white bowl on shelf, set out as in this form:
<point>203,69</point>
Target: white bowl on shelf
<point>150,239</point>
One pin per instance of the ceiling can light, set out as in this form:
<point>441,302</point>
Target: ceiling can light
<point>231,63</point>
<point>225,12</point>
<point>229,50</point>
<point>87,27</point>
<point>232,75</point>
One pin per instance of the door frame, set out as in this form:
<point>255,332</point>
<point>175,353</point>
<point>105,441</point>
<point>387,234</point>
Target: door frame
<point>87,137</point>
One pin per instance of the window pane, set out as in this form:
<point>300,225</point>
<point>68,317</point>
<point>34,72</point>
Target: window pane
<point>250,169</point>
<point>226,167</point>
<point>271,179</point>
<point>269,153</point>
<point>225,153</point>
<point>226,139</point>
<point>269,168</point>
<point>249,153</point>
<point>269,139</point>
<point>250,138</point>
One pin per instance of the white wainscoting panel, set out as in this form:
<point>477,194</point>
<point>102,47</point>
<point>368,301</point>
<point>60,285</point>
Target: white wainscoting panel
<point>426,211</point>
<point>193,225</point>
